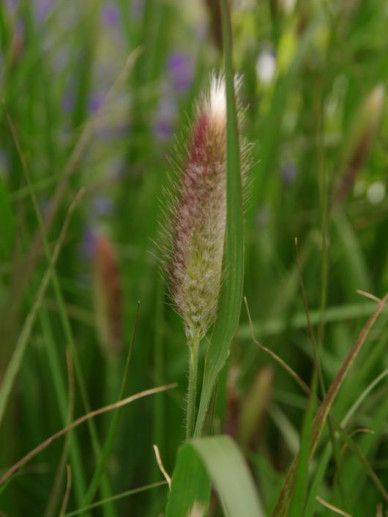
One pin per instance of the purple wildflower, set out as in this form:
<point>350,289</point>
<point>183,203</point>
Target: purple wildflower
<point>88,243</point>
<point>12,5</point>
<point>165,117</point>
<point>102,206</point>
<point>95,103</point>
<point>137,10</point>
<point>262,218</point>
<point>288,173</point>
<point>42,9</point>
<point>163,129</point>
<point>110,15</point>
<point>68,102</point>
<point>180,67</point>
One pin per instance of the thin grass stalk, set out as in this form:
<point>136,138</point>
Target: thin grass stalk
<point>192,387</point>
<point>60,392</point>
<point>55,494</point>
<point>114,421</point>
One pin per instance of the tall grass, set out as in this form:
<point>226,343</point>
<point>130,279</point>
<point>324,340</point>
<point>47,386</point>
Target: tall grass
<point>92,94</point>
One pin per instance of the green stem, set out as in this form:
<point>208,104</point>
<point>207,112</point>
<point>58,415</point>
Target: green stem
<point>192,387</point>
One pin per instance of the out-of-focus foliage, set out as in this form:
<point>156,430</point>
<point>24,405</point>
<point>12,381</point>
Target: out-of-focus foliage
<point>92,94</point>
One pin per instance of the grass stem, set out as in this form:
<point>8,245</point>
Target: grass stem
<point>192,387</point>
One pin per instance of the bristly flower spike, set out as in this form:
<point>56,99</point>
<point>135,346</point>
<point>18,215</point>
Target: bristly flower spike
<point>199,216</point>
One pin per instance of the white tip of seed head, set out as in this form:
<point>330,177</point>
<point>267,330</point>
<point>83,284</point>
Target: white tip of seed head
<point>217,98</point>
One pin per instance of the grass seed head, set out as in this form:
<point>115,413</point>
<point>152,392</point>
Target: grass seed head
<point>108,296</point>
<point>199,216</point>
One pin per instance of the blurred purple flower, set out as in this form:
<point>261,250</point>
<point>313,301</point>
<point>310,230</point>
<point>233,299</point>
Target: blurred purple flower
<point>42,9</point>
<point>180,67</point>
<point>88,243</point>
<point>68,102</point>
<point>163,129</point>
<point>262,217</point>
<point>43,205</point>
<point>137,9</point>
<point>12,4</point>
<point>96,101</point>
<point>165,118</point>
<point>102,206</point>
<point>288,173</point>
<point>110,15</point>
<point>61,58</point>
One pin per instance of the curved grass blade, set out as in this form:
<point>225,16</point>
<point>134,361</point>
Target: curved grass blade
<point>301,476</point>
<point>190,485</point>
<point>232,290</point>
<point>116,497</point>
<point>85,418</point>
<point>215,460</point>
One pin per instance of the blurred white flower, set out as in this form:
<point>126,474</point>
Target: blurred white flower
<point>266,66</point>
<point>288,5</point>
<point>376,192</point>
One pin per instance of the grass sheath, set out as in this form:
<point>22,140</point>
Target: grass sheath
<point>192,387</point>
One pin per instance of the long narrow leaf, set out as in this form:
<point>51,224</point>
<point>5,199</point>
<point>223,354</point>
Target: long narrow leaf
<point>232,292</point>
<point>216,460</point>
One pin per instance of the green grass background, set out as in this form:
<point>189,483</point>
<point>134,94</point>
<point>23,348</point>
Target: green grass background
<point>90,98</point>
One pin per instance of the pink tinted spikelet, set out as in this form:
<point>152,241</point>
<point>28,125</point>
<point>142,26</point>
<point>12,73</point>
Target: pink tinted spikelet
<point>199,217</point>
<point>108,296</point>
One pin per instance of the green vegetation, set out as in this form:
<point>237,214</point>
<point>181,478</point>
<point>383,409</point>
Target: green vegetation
<point>292,395</point>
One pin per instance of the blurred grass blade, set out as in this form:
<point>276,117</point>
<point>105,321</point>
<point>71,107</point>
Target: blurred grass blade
<point>358,142</point>
<point>7,225</point>
<point>281,508</point>
<point>112,429</point>
<point>301,476</point>
<point>357,277</point>
<point>298,321</point>
<point>317,481</point>
<point>262,185</point>
<point>59,388</point>
<point>216,459</point>
<point>232,290</point>
<point>21,345</point>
